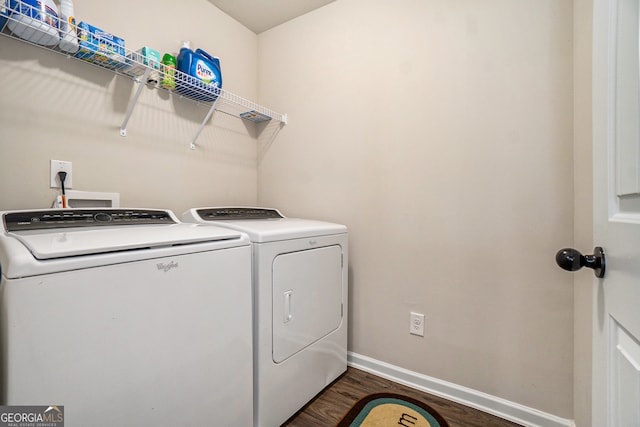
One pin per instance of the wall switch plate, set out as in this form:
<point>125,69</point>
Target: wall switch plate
<point>54,179</point>
<point>416,324</point>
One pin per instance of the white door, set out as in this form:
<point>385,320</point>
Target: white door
<point>616,107</point>
<point>307,298</point>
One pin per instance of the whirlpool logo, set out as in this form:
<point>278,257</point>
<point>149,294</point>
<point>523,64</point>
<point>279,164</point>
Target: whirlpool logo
<point>168,266</point>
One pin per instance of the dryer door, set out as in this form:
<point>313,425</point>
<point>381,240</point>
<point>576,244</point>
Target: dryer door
<point>307,298</point>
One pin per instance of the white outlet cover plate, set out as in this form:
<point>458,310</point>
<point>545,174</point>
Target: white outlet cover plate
<point>57,166</point>
<point>416,325</point>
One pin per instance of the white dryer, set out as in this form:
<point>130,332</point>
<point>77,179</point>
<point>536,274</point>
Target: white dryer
<point>300,305</point>
<point>125,317</point>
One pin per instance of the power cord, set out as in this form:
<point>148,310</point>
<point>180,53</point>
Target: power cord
<point>63,176</point>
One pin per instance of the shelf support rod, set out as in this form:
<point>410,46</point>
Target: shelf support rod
<point>133,102</point>
<point>204,122</point>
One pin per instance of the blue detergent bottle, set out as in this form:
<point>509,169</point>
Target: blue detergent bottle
<point>202,78</point>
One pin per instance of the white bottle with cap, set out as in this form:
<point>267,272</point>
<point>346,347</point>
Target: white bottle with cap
<point>68,36</point>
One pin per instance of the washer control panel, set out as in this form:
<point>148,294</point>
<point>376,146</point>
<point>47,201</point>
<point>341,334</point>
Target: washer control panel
<point>230,213</point>
<point>66,218</point>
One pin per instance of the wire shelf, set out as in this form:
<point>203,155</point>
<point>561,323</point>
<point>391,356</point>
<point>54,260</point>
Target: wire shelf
<point>41,27</point>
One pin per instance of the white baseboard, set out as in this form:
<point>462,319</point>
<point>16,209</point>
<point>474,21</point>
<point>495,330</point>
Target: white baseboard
<point>497,406</point>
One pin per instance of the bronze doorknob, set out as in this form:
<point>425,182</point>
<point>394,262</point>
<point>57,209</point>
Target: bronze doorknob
<point>572,260</point>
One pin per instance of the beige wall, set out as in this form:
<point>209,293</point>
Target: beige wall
<point>57,108</point>
<point>583,200</point>
<point>441,133</point>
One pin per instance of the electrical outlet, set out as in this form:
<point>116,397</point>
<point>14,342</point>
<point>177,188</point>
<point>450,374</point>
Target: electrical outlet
<point>416,324</point>
<point>60,166</point>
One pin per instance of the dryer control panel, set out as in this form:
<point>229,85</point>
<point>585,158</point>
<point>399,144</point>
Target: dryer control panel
<point>233,213</point>
<point>66,218</point>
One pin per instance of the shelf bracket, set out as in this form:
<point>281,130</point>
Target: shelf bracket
<point>133,102</point>
<point>204,122</point>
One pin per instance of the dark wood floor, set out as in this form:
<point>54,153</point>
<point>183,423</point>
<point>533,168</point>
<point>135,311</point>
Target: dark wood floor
<point>335,401</point>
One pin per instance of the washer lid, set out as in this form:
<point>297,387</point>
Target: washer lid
<point>273,228</point>
<point>67,233</point>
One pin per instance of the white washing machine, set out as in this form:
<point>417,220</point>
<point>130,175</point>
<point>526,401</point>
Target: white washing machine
<point>126,317</point>
<point>300,305</point>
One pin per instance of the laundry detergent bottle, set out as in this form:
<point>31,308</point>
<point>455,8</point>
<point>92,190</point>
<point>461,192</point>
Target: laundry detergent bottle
<point>35,21</point>
<point>202,77</point>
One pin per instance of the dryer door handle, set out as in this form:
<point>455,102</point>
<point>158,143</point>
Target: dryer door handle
<point>288,309</point>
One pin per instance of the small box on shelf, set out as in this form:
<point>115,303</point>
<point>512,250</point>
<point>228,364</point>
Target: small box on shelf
<point>255,116</point>
<point>140,60</point>
<point>100,47</point>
